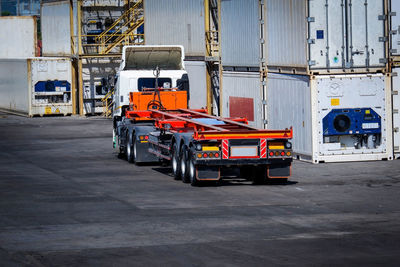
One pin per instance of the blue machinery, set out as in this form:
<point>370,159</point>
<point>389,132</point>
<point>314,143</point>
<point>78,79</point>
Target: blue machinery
<point>362,124</point>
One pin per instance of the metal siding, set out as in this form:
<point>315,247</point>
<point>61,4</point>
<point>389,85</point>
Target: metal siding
<point>240,33</point>
<point>289,105</point>
<point>197,82</point>
<point>14,85</point>
<point>396,110</point>
<point>176,22</point>
<point>395,26</point>
<point>286,33</point>
<point>20,39</point>
<point>56,29</point>
<point>242,84</point>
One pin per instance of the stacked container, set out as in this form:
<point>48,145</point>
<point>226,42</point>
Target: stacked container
<point>241,83</point>
<point>181,22</point>
<point>328,78</point>
<point>395,65</point>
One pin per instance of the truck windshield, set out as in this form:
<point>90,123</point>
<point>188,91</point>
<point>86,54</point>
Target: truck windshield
<point>151,83</point>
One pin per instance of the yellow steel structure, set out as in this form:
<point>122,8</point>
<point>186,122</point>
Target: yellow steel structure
<point>120,33</point>
<point>213,58</point>
<point>108,103</point>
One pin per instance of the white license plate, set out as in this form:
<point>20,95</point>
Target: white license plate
<point>244,151</point>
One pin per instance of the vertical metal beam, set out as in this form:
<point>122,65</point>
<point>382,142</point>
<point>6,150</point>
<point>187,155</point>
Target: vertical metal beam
<point>71,23</point>
<point>80,83</point>
<point>208,54</point>
<point>220,65</point>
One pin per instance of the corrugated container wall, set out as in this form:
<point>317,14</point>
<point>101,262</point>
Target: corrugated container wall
<point>395,27</point>
<point>396,111</point>
<point>240,33</point>
<point>242,96</point>
<point>36,86</point>
<point>176,22</point>
<point>56,28</point>
<point>197,83</point>
<point>18,37</point>
<point>326,36</point>
<point>334,118</point>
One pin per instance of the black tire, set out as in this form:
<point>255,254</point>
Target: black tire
<point>185,165</point>
<point>192,172</point>
<point>176,170</point>
<point>130,156</point>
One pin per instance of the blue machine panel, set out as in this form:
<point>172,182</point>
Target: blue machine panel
<point>52,86</point>
<point>351,121</point>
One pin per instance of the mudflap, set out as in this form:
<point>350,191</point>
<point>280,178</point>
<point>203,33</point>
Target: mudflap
<point>279,170</point>
<point>208,173</point>
<point>143,154</point>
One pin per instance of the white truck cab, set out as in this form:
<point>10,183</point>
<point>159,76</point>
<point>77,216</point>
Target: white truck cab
<point>138,71</point>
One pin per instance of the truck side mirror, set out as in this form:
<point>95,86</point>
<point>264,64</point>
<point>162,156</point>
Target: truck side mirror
<point>183,84</point>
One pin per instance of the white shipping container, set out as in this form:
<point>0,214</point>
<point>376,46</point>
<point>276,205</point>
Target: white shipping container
<point>176,22</point>
<point>36,86</point>
<point>313,36</point>
<point>197,83</point>
<point>334,118</point>
<point>240,48</point>
<point>396,110</point>
<point>56,28</point>
<point>242,96</point>
<point>18,37</point>
<point>394,27</point>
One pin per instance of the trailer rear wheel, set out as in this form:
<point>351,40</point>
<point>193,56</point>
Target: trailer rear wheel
<point>192,172</point>
<point>184,165</point>
<point>175,163</point>
<point>130,149</point>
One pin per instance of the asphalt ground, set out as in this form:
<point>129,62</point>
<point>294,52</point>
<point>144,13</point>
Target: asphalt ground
<point>66,199</point>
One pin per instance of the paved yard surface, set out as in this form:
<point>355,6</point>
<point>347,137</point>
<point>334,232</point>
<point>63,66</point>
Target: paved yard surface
<point>66,199</point>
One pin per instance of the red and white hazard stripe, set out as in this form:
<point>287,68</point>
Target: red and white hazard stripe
<point>263,148</point>
<point>225,149</point>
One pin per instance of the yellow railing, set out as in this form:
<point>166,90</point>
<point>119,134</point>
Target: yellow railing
<point>108,103</point>
<point>134,10</point>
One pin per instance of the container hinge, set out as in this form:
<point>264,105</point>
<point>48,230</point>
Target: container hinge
<point>392,14</point>
<point>264,83</point>
<point>383,60</point>
<point>265,122</point>
<point>311,62</point>
<point>261,21</point>
<point>393,51</point>
<point>396,130</point>
<point>395,92</point>
<point>395,111</point>
<point>393,32</point>
<point>383,39</point>
<point>262,41</point>
<point>264,102</point>
<point>382,17</point>
<point>394,74</point>
<point>310,19</point>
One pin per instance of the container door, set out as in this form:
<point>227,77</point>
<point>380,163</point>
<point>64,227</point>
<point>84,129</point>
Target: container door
<point>395,27</point>
<point>326,34</point>
<point>366,27</point>
<point>396,109</point>
<point>345,34</point>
